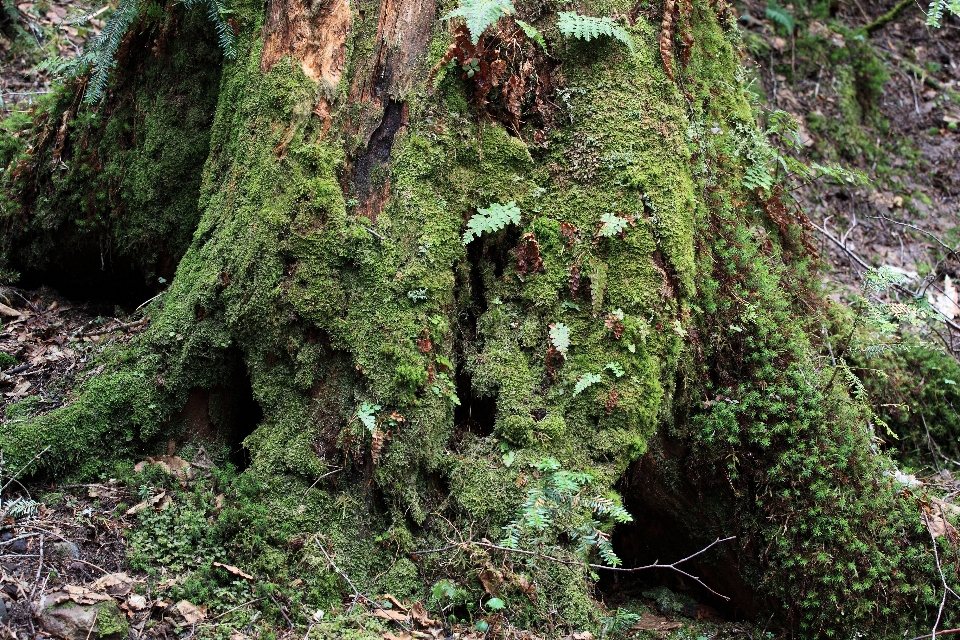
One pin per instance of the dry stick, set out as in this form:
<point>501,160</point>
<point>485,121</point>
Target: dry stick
<point>656,565</point>
<point>23,468</point>
<point>282,611</point>
<point>93,625</point>
<point>915,228</point>
<point>942,633</point>
<point>235,608</point>
<point>953,325</point>
<point>356,594</point>
<point>936,557</point>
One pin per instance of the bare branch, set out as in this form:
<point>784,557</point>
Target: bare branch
<point>656,565</point>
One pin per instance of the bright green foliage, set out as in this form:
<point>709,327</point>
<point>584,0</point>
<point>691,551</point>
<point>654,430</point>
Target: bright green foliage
<point>480,14</point>
<point>564,502</point>
<point>574,25</point>
<point>937,9</point>
<point>367,415</point>
<point>585,381</point>
<point>619,624</point>
<point>560,337</point>
<point>780,15</point>
<point>494,218</point>
<point>532,33</point>
<point>612,225</point>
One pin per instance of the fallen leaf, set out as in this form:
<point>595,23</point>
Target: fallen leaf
<point>137,602</point>
<point>190,612</point>
<point>390,614</point>
<point>140,506</point>
<point>396,603</point>
<point>419,613</point>
<point>389,635</point>
<point>651,622</point>
<point>9,311</point>
<point>229,568</point>
<point>116,584</point>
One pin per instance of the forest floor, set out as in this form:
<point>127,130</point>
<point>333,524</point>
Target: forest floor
<point>71,542</point>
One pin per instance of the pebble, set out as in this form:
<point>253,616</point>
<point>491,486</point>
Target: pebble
<point>18,546</point>
<point>66,550</point>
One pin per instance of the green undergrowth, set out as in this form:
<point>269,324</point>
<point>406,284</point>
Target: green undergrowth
<point>119,181</point>
<point>644,289</point>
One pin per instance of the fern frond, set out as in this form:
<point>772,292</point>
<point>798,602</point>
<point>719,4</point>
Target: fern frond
<point>217,12</point>
<point>938,8</point>
<point>532,33</point>
<point>493,218</point>
<point>780,15</point>
<point>574,25</point>
<point>101,52</point>
<point>585,381</point>
<point>480,14</point>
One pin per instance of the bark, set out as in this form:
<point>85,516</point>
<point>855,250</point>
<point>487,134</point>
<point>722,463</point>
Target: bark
<point>328,270</point>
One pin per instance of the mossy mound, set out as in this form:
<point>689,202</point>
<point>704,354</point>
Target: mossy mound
<point>644,290</point>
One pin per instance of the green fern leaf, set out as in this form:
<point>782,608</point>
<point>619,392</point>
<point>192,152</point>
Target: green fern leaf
<point>493,218</point>
<point>574,25</point>
<point>532,33</point>
<point>780,15</point>
<point>560,337</point>
<point>585,381</point>
<point>480,14</point>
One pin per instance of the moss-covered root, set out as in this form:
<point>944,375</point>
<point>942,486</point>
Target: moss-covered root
<point>404,375</point>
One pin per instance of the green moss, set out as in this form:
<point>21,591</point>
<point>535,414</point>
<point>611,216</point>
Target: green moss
<point>120,178</point>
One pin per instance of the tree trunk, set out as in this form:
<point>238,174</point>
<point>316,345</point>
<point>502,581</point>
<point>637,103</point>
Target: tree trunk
<point>392,382</point>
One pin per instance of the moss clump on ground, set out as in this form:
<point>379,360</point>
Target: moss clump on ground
<point>83,186</point>
<point>684,305</point>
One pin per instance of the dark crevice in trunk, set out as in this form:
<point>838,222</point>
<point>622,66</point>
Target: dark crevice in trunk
<point>475,414</point>
<point>371,171</point>
<point>225,414</point>
<point>675,517</point>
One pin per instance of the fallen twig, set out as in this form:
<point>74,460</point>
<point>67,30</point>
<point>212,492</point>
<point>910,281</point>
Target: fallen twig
<point>656,565</point>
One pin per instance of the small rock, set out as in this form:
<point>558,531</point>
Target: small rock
<point>3,610</point>
<point>66,550</point>
<point>18,546</point>
<point>6,536</point>
<point>103,621</point>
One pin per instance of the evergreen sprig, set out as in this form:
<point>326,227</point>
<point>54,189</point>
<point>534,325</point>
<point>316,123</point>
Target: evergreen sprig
<point>574,25</point>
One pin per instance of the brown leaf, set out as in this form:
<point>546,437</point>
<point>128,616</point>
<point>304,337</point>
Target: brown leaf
<point>9,311</point>
<point>191,613</point>
<point>396,603</point>
<point>229,568</point>
<point>116,584</point>
<point>390,614</point>
<point>140,506</point>
<point>490,580</point>
<point>419,614</point>
<point>528,255</point>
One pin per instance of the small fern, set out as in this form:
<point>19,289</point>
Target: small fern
<point>585,381</point>
<point>758,177</point>
<point>937,9</point>
<point>574,25</point>
<point>563,503</point>
<point>493,218</point>
<point>780,15</point>
<point>367,415</point>
<point>560,337</point>
<point>532,33</point>
<point>480,14</point>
